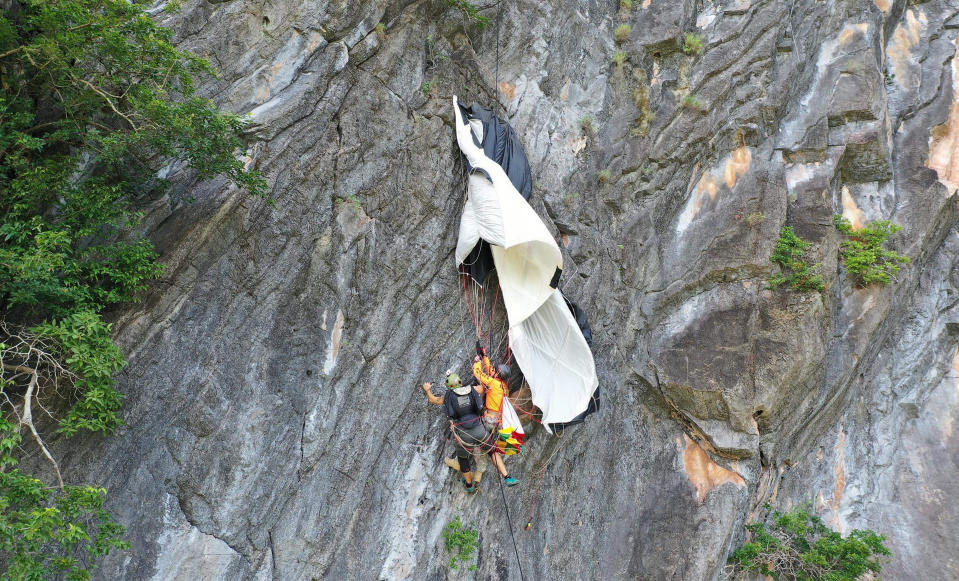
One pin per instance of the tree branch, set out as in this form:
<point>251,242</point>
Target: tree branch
<point>109,100</point>
<point>11,51</point>
<point>27,420</point>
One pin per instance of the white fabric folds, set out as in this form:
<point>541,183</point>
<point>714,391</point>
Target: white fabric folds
<point>546,340</point>
<point>558,364</point>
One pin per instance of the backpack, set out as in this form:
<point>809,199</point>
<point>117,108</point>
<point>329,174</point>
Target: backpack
<point>463,408</point>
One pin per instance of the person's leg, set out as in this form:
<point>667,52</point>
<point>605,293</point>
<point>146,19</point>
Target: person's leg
<point>465,469</point>
<point>501,466</point>
<point>497,459</point>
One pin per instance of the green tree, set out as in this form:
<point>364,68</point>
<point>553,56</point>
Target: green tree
<point>461,542</point>
<point>795,272</point>
<point>863,253</point>
<point>95,101</point>
<point>797,545</point>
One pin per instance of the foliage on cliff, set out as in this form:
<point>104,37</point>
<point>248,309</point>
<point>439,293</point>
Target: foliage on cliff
<point>95,105</point>
<point>798,545</point>
<point>863,252</point>
<point>795,272</point>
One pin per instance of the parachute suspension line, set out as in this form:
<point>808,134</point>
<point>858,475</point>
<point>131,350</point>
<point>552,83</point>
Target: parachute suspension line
<point>479,303</point>
<point>470,298</point>
<point>499,13</point>
<point>485,447</point>
<point>509,522</point>
<point>526,413</point>
<point>492,314</point>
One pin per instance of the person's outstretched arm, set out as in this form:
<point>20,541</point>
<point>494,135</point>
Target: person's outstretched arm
<point>429,394</point>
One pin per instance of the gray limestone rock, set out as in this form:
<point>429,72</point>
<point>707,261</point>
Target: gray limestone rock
<point>274,428</point>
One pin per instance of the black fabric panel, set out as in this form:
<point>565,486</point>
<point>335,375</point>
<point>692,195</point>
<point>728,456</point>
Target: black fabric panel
<point>580,315</point>
<point>502,145</point>
<point>516,378</point>
<point>478,263</point>
<point>591,408</point>
<point>554,282</point>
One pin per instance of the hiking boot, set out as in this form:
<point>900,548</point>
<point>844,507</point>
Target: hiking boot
<point>472,489</point>
<point>510,481</point>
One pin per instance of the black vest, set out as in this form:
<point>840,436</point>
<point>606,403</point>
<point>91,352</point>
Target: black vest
<point>465,410</point>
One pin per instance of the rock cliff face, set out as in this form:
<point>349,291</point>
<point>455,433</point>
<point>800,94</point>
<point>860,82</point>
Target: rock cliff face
<point>274,428</point>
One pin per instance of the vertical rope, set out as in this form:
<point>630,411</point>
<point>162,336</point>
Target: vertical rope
<point>499,13</point>
<point>509,522</point>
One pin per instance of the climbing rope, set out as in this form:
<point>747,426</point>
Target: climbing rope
<point>509,522</point>
<point>485,446</point>
<point>499,12</point>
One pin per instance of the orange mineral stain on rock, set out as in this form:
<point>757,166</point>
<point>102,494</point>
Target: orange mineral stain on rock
<point>904,38</point>
<point>850,32</point>
<point>703,473</point>
<point>262,93</point>
<point>656,76</point>
<point>944,139</point>
<point>646,3</point>
<point>508,90</point>
<point>706,185</point>
<point>577,144</point>
<point>955,369</point>
<point>336,337</point>
<point>316,39</point>
<point>737,165</point>
<point>727,173</point>
<point>851,211</point>
<point>839,488</point>
<point>882,4</point>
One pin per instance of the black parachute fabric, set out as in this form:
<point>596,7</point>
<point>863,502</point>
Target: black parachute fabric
<point>592,407</point>
<point>501,144</point>
<point>580,315</point>
<point>479,262</point>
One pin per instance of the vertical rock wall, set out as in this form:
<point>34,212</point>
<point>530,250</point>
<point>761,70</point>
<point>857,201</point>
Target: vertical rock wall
<point>274,428</point>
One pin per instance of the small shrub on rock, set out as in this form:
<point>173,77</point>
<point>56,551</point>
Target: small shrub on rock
<point>693,44</point>
<point>470,12</point>
<point>798,545</point>
<point>694,102</point>
<point>795,272</point>
<point>461,542</point>
<point>863,255</point>
<point>588,125</point>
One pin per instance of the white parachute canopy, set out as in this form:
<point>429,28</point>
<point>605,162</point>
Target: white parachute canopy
<point>550,349</point>
<point>525,254</point>
<point>545,338</point>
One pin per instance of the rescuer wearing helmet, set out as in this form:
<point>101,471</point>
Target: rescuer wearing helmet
<point>464,406</point>
<point>494,382</point>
